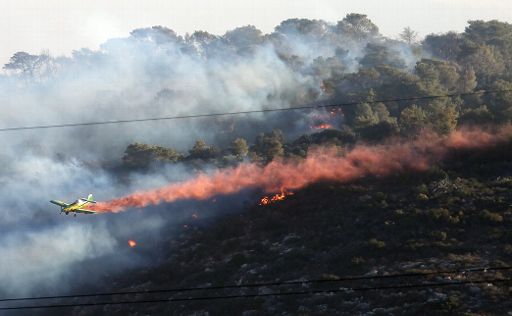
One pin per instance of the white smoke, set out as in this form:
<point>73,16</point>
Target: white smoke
<point>152,73</point>
<point>46,258</point>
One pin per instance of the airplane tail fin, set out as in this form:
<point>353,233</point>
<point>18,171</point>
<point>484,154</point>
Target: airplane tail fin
<point>90,199</point>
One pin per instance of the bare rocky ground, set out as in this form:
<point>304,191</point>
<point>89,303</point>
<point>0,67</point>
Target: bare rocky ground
<point>458,215</point>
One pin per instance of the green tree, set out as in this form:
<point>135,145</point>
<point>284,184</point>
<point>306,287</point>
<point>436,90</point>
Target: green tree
<point>377,55</point>
<point>438,76</point>
<point>374,123</point>
<point>492,32</point>
<point>139,155</point>
<point>358,27</point>
<point>411,120</point>
<point>442,116</point>
<point>23,63</point>
<point>328,68</point>
<point>313,28</point>
<point>379,131</point>
<point>487,63</point>
<point>202,150</point>
<point>445,46</point>
<point>267,146</point>
<point>166,154</point>
<point>467,81</point>
<point>383,114</point>
<point>479,115</point>
<point>501,103</point>
<point>408,35</point>
<point>244,39</point>
<point>31,66</point>
<point>239,148</point>
<point>364,116</point>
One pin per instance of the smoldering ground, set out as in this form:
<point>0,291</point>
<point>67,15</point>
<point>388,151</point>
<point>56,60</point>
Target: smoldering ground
<point>153,72</point>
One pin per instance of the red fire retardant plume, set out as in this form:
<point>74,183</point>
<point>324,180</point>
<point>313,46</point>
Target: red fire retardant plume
<point>322,164</point>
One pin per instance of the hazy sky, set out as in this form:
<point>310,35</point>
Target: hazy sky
<point>61,26</point>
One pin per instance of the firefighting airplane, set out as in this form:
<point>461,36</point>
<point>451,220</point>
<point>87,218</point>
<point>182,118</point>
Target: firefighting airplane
<point>75,207</point>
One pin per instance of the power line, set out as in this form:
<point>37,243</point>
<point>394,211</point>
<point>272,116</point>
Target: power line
<point>263,284</point>
<point>164,118</point>
<point>239,296</point>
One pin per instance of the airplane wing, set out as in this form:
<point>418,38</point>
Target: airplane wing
<point>84,211</point>
<point>59,203</point>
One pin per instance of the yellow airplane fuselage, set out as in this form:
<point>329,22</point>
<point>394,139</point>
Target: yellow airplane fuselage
<point>75,206</point>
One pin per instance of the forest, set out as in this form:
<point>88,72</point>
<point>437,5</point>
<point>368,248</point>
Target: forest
<point>478,59</point>
<point>437,209</point>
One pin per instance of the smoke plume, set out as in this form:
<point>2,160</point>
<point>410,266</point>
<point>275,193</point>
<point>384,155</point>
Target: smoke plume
<point>155,72</point>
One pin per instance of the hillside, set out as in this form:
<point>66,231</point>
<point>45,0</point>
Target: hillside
<point>383,141</point>
<point>457,215</point>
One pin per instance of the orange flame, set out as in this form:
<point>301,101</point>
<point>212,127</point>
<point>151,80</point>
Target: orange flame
<point>320,165</point>
<point>322,126</point>
<point>275,198</point>
<point>264,200</point>
<point>132,243</point>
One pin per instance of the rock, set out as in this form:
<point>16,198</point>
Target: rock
<point>475,289</point>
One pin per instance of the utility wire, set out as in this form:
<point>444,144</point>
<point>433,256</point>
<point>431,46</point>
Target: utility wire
<point>262,284</point>
<point>294,293</point>
<point>163,118</point>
